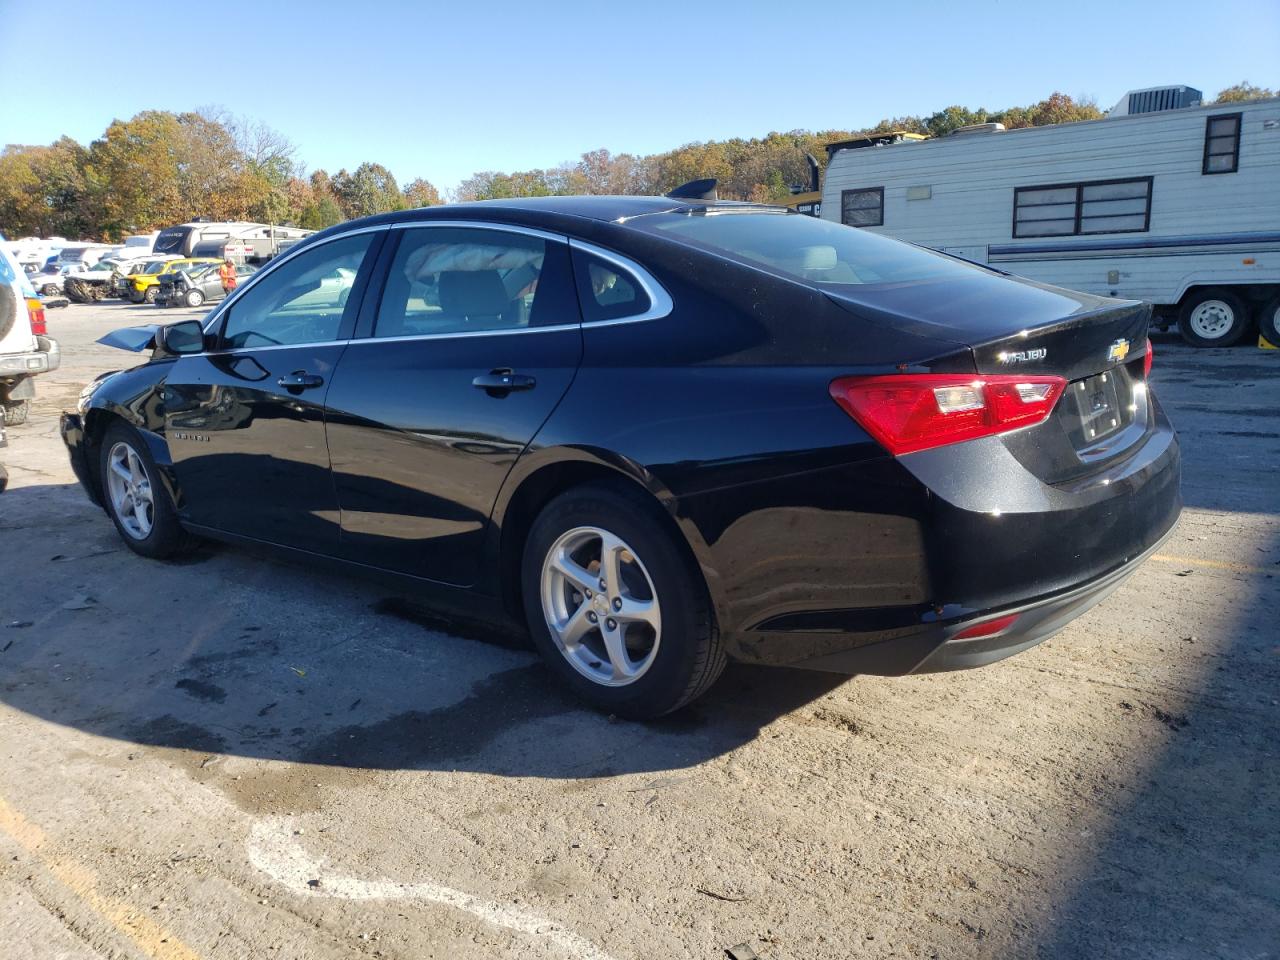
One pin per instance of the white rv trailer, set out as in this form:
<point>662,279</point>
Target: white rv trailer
<point>1165,200</point>
<point>208,238</point>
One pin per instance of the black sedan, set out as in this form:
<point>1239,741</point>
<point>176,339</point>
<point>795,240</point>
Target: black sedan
<point>660,432</point>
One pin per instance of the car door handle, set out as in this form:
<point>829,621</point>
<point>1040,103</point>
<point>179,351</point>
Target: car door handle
<point>500,382</point>
<point>300,380</point>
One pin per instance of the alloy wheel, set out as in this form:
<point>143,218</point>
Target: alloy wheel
<point>129,487</point>
<point>601,606</point>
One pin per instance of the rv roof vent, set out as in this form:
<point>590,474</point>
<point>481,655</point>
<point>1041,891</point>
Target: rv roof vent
<point>1156,99</point>
<point>978,128</point>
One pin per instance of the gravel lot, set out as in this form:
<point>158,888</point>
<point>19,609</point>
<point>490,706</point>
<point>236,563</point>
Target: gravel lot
<point>236,757</point>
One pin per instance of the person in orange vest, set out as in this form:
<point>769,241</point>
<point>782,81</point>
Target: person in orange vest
<point>227,274</point>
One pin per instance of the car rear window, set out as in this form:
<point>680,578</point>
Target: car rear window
<point>804,247</point>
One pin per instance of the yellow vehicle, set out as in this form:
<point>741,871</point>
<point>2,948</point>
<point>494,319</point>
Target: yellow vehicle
<point>143,287</point>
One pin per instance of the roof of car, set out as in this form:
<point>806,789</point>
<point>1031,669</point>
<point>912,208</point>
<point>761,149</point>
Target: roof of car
<point>603,208</point>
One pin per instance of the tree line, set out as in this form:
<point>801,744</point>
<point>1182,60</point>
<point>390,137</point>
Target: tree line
<point>161,168</point>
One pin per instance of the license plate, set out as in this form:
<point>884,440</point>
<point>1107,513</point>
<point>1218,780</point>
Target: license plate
<point>1098,403</point>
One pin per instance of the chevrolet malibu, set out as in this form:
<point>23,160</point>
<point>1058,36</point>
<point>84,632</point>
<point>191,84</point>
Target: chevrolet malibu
<point>662,433</point>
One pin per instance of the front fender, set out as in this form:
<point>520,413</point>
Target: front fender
<point>135,396</point>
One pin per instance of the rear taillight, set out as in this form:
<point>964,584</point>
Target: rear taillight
<point>35,312</point>
<point>914,412</point>
<point>1148,360</point>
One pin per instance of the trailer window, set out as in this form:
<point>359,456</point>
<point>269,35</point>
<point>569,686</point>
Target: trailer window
<point>1222,144</point>
<point>862,208</point>
<point>1071,209</point>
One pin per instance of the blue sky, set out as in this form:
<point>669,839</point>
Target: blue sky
<point>441,90</point>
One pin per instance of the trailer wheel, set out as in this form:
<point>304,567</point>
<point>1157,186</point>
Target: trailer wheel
<point>1213,317</point>
<point>1269,321</point>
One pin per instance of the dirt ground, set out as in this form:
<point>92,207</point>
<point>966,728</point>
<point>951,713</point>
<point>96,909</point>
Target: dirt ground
<point>236,757</point>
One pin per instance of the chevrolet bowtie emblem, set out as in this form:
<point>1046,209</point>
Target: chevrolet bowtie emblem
<point>1119,350</point>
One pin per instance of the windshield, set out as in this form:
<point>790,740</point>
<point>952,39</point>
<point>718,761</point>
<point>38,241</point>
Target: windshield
<point>803,247</point>
<point>155,266</point>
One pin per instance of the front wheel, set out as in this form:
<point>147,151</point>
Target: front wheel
<point>195,298</point>
<point>15,412</point>
<point>136,497</point>
<point>150,295</point>
<point>1213,317</point>
<point>616,607</point>
<point>50,290</point>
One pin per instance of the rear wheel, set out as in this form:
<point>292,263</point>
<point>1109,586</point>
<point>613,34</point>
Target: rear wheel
<point>136,498</point>
<point>1269,321</point>
<point>616,608</point>
<point>1213,317</point>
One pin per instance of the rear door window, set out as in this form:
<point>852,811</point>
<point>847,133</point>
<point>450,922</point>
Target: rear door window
<point>606,290</point>
<point>457,280</point>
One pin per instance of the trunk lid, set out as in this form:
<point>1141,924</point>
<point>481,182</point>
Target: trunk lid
<point>1013,326</point>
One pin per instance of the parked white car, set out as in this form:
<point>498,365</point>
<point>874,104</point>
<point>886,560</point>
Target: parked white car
<point>25,346</point>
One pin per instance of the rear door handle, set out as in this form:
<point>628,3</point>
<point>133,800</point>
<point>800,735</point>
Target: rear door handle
<point>300,380</point>
<point>500,382</point>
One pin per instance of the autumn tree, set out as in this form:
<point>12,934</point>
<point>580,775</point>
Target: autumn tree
<point>369,189</point>
<point>421,193</point>
<point>43,191</point>
<point>1244,91</point>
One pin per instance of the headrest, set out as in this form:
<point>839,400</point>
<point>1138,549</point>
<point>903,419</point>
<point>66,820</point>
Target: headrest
<point>821,257</point>
<point>473,293</point>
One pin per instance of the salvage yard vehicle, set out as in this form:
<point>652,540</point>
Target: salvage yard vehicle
<point>102,279</point>
<point>195,286</point>
<point>150,267</point>
<point>663,432</point>
<point>49,281</point>
<point>26,349</point>
<point>143,287</point>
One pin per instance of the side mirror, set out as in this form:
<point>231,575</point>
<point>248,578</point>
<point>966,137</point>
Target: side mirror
<point>186,336</point>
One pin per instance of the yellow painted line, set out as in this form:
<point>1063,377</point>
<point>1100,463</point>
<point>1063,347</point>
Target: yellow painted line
<point>1215,564</point>
<point>151,938</point>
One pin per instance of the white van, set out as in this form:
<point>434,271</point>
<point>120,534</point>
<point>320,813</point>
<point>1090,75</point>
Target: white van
<point>83,255</point>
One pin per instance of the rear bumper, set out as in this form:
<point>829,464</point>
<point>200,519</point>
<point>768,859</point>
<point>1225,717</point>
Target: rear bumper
<point>938,649</point>
<point>47,356</point>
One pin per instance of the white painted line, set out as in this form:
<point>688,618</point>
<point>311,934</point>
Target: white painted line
<point>274,851</point>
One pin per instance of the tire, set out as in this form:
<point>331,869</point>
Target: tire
<point>8,309</point>
<point>1213,317</point>
<point>1269,321</point>
<point>675,661</point>
<point>150,295</point>
<point>15,412</point>
<point>50,290</point>
<point>164,536</point>
<point>194,298</point>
